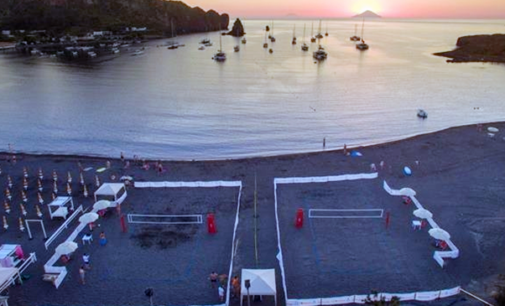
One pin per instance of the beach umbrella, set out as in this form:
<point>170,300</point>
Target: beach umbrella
<point>39,213</point>
<point>439,234</point>
<point>7,207</point>
<point>21,225</point>
<point>8,194</point>
<point>88,218</point>
<point>66,247</point>
<point>69,189</point>
<point>69,177</point>
<point>102,204</point>
<point>85,191</point>
<point>41,174</point>
<point>55,176</point>
<point>55,187</point>
<point>25,172</point>
<point>97,181</point>
<point>41,200</point>
<point>23,210</point>
<point>423,213</point>
<point>0,170</point>
<point>25,183</point>
<point>6,226</point>
<point>23,195</point>
<point>81,178</point>
<point>9,181</point>
<point>126,178</point>
<point>39,185</point>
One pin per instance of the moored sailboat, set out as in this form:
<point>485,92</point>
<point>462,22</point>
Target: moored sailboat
<point>304,45</point>
<point>362,46</point>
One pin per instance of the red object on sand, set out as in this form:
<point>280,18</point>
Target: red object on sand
<point>211,224</point>
<point>123,224</point>
<point>299,218</point>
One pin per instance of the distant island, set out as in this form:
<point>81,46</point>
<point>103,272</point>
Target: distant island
<point>80,17</point>
<point>367,14</point>
<point>477,48</point>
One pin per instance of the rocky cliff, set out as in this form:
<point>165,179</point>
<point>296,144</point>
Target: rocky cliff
<point>85,15</point>
<point>478,48</point>
<point>237,30</point>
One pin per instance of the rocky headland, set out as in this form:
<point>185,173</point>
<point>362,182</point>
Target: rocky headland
<point>237,30</point>
<point>477,48</point>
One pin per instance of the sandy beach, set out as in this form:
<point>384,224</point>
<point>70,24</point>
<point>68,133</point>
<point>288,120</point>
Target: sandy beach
<point>457,173</point>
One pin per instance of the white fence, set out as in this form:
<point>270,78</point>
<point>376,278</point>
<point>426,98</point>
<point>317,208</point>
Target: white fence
<point>62,227</point>
<point>171,219</point>
<point>31,259</point>
<point>345,213</point>
<point>357,299</point>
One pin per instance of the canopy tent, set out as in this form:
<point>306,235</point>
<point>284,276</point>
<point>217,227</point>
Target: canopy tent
<point>7,276</point>
<point>262,283</point>
<point>114,190</point>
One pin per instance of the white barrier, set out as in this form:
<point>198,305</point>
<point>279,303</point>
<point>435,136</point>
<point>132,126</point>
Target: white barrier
<point>357,299</point>
<point>438,256</point>
<point>197,219</point>
<point>62,227</point>
<point>315,213</point>
<point>206,184</point>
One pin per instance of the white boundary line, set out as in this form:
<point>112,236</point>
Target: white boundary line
<point>358,299</point>
<point>199,219</point>
<point>380,215</point>
<point>206,184</point>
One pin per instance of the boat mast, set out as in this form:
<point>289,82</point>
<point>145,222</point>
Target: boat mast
<point>312,30</point>
<point>304,33</point>
<point>362,30</point>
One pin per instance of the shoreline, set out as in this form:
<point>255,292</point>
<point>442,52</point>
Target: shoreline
<point>254,157</point>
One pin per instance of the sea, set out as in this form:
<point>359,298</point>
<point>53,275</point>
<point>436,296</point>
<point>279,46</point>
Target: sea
<point>182,105</point>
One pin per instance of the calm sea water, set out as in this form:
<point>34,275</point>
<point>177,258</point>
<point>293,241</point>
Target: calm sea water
<point>180,104</point>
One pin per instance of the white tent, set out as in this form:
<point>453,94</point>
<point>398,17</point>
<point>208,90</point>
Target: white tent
<point>262,283</point>
<point>112,190</point>
<point>7,276</point>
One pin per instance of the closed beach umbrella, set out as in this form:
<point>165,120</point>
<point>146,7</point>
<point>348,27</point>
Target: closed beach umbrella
<point>66,247</point>
<point>88,218</point>
<point>102,204</point>
<point>439,234</point>
<point>423,213</point>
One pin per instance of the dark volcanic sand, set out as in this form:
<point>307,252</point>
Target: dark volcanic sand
<point>460,179</point>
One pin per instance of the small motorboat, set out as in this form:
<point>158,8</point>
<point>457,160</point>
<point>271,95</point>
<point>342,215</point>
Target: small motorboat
<point>201,48</point>
<point>236,48</point>
<point>422,114</point>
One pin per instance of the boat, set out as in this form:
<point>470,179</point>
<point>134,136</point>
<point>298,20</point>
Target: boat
<point>422,114</point>
<point>220,56</point>
<point>320,54</point>
<point>326,34</point>
<point>236,48</point>
<point>312,38</point>
<point>244,41</point>
<point>265,44</point>
<point>201,48</point>
<point>319,35</point>
<point>204,41</point>
<point>172,44</point>
<point>355,37</point>
<point>271,50</point>
<point>138,52</point>
<point>293,42</point>
<point>304,45</point>
<point>272,37</point>
<point>362,46</point>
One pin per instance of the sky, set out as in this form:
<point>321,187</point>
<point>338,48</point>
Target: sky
<point>493,9</point>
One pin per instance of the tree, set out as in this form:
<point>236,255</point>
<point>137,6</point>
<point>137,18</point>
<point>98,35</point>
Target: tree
<point>373,299</point>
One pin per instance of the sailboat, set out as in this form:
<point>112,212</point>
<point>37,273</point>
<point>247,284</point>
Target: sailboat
<point>272,37</point>
<point>293,42</point>
<point>362,46</point>
<point>355,37</point>
<point>312,38</point>
<point>236,48</point>
<point>326,34</point>
<point>173,44</point>
<point>220,56</point>
<point>304,45</point>
<point>319,35</point>
<point>320,54</point>
<point>265,44</point>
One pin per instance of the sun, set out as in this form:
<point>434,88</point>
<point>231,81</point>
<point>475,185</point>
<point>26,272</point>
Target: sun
<point>359,6</point>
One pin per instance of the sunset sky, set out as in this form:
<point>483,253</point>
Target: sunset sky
<point>346,8</point>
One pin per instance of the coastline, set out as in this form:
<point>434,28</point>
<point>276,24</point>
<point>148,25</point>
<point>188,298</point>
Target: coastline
<point>457,174</point>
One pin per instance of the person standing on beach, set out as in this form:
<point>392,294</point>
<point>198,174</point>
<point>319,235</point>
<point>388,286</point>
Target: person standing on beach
<point>235,283</point>
<point>102,240</point>
<point>213,279</point>
<point>82,274</point>
<point>220,290</point>
<point>85,259</point>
